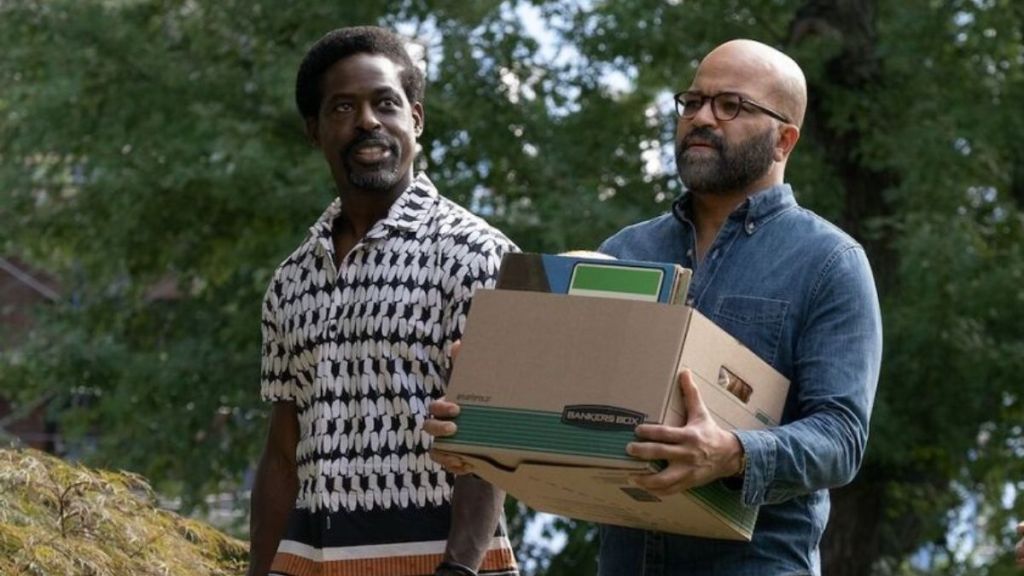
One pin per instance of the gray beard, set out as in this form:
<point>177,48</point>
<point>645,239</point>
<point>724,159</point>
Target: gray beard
<point>733,169</point>
<point>382,180</point>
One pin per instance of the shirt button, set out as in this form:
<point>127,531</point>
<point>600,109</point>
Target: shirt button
<point>689,302</point>
<point>750,226</point>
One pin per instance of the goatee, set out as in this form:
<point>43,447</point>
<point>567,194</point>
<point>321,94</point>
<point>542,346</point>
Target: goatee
<point>379,177</point>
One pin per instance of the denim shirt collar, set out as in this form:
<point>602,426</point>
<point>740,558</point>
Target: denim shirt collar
<point>757,209</point>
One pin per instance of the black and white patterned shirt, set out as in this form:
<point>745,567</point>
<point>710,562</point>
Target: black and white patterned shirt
<point>362,350</point>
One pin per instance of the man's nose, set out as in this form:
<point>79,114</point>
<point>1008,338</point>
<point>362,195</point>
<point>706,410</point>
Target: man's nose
<point>367,119</point>
<point>705,115</point>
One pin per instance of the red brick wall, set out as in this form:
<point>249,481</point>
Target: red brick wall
<point>22,290</point>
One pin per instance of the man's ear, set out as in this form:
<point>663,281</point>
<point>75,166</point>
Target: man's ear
<point>789,134</point>
<point>312,131</point>
<point>417,118</point>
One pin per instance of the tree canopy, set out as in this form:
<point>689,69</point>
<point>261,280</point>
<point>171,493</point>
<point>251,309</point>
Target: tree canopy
<point>147,143</point>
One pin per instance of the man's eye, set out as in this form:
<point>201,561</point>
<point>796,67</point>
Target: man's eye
<point>728,106</point>
<point>390,103</point>
<point>343,107</point>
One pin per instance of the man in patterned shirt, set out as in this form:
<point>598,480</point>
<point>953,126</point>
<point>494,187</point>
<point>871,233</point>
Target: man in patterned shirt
<point>358,325</point>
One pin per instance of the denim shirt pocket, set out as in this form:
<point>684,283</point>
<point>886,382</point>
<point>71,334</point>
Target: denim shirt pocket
<point>756,322</point>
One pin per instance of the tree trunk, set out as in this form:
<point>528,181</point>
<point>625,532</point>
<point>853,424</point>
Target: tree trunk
<point>852,544</point>
<point>855,69</point>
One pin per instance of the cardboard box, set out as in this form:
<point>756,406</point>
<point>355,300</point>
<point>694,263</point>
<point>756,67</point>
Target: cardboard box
<point>552,385</point>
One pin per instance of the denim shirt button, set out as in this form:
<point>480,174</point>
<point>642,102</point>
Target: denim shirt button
<point>750,226</point>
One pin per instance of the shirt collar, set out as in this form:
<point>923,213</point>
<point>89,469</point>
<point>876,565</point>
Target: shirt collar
<point>757,209</point>
<point>407,213</point>
<point>410,210</point>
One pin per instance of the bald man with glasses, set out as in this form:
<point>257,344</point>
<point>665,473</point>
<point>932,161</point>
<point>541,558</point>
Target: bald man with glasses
<point>786,283</point>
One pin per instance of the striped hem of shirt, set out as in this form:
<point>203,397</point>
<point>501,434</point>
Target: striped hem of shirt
<point>409,559</point>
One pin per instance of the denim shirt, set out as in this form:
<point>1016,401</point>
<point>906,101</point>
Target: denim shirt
<point>798,292</point>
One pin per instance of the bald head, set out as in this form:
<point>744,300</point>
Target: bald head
<point>760,71</point>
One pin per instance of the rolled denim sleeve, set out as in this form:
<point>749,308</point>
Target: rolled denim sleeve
<point>837,361</point>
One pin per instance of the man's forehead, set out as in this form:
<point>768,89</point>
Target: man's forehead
<point>362,73</point>
<point>713,82</point>
<point>727,70</point>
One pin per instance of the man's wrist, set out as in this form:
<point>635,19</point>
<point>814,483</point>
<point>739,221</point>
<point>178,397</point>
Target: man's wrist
<point>741,467</point>
<point>734,481</point>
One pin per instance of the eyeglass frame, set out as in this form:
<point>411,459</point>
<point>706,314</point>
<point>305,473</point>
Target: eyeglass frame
<point>704,99</point>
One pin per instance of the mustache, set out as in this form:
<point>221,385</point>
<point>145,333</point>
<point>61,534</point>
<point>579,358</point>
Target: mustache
<point>367,140</point>
<point>704,136</point>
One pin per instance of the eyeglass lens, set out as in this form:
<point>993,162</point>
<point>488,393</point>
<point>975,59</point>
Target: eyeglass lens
<point>724,106</point>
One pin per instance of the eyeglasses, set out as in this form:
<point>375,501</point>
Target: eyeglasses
<point>725,105</point>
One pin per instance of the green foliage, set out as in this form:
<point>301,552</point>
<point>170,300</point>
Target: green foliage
<point>154,142</point>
